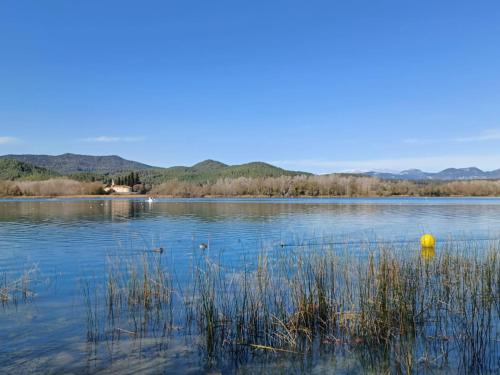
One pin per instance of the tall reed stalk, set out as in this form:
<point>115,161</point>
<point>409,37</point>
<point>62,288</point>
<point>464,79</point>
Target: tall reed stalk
<point>20,288</point>
<point>417,309</point>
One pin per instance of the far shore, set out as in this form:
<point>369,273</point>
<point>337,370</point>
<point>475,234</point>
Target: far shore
<point>146,196</point>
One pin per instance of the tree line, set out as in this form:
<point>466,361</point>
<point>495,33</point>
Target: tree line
<point>284,186</point>
<point>130,179</point>
<point>328,185</point>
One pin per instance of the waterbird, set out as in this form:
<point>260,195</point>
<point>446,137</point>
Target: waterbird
<point>158,250</point>
<point>203,246</point>
<point>150,200</point>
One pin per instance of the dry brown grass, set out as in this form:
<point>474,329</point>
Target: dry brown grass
<point>50,188</point>
<point>331,185</point>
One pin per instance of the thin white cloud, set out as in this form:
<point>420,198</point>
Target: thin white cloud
<point>112,139</point>
<point>487,135</point>
<point>422,141</point>
<point>484,136</point>
<point>426,163</point>
<point>6,140</point>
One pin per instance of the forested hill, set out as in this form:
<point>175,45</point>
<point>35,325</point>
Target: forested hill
<point>102,168</point>
<point>11,169</point>
<point>211,170</point>
<point>73,163</point>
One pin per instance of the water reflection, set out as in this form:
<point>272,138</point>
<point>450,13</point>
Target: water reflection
<point>428,253</point>
<point>460,212</point>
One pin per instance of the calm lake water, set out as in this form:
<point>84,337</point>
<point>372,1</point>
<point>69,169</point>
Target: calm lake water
<point>70,240</point>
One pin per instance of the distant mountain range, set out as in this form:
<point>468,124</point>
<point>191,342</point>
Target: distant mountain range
<point>471,173</point>
<point>96,167</point>
<point>86,166</point>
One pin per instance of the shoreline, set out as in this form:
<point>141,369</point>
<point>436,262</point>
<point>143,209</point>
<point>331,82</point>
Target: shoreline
<point>145,196</point>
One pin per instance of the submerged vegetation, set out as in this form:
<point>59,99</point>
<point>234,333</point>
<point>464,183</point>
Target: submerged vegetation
<point>420,311</point>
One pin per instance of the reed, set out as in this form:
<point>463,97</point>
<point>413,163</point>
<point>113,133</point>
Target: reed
<point>18,288</point>
<point>292,303</point>
<point>91,305</point>
<point>416,310</point>
<point>136,299</point>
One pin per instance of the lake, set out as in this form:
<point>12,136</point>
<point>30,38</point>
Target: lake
<point>65,243</point>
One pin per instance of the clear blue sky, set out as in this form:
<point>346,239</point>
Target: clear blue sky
<point>313,85</point>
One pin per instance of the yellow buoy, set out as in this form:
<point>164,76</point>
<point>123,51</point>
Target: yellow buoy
<point>427,240</point>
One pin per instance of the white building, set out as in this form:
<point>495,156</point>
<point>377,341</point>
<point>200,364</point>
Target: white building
<point>120,189</point>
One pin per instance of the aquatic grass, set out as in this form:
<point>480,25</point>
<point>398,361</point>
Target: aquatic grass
<point>378,301</point>
<point>91,305</point>
<point>137,299</point>
<point>414,309</point>
<point>19,288</point>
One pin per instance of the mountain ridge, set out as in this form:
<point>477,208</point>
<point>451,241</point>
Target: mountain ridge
<point>448,174</point>
<point>78,165</point>
<point>102,168</point>
<point>211,170</point>
<point>69,163</point>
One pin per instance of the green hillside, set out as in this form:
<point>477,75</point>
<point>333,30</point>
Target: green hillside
<point>210,170</point>
<point>74,163</point>
<point>104,168</point>
<point>15,170</point>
